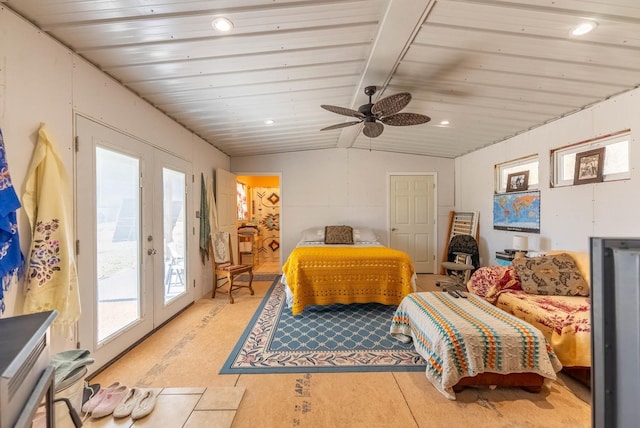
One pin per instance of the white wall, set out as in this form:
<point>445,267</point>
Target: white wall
<point>345,186</point>
<point>568,215</point>
<point>41,81</point>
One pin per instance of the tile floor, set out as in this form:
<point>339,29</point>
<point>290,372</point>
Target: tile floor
<point>186,408</point>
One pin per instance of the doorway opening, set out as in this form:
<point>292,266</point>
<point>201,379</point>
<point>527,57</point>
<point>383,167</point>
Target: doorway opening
<point>260,221</point>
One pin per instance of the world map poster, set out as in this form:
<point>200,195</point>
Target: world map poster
<point>518,211</point>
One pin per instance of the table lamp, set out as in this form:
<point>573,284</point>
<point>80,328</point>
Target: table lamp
<point>521,245</point>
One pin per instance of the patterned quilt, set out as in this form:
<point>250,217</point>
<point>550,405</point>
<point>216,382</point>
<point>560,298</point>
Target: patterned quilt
<point>564,320</point>
<point>464,337</point>
<point>347,274</point>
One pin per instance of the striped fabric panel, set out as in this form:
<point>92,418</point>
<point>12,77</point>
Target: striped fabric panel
<point>401,322</point>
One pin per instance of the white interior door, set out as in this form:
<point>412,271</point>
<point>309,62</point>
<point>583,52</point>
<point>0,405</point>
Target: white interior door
<point>412,218</point>
<point>120,230</point>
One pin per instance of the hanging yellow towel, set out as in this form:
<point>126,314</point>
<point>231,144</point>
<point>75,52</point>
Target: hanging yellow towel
<point>52,281</point>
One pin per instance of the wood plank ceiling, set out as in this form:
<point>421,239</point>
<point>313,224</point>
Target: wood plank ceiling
<point>492,68</point>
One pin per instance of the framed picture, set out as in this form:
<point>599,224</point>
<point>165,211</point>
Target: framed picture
<point>518,181</point>
<point>589,166</point>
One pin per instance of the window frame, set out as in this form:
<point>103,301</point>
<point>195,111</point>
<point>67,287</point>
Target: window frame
<point>556,157</point>
<point>502,171</point>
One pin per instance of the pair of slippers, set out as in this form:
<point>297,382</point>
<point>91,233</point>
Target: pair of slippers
<point>137,403</point>
<point>121,401</point>
<point>104,401</point>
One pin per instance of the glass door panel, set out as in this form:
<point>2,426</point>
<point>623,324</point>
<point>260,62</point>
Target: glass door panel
<point>117,241</point>
<point>174,233</point>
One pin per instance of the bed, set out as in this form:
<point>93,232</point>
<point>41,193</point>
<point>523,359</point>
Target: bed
<point>321,271</point>
<point>471,342</point>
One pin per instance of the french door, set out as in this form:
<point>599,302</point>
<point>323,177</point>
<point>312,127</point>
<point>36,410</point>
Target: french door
<point>132,220</point>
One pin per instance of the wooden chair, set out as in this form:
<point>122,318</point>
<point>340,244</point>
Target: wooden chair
<point>222,262</point>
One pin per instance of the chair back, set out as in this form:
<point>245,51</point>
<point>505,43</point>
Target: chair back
<point>464,244</point>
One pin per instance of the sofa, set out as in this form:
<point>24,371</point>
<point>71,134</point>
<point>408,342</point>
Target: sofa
<point>550,292</point>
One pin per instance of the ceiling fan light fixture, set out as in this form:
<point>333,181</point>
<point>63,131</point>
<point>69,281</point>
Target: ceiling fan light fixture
<point>584,28</point>
<point>222,24</point>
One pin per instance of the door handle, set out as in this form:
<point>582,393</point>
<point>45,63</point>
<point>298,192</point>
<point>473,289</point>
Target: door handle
<point>152,251</point>
<point>393,229</point>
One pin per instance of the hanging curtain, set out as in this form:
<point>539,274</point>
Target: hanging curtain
<point>11,258</point>
<point>52,281</point>
<point>211,202</point>
<point>205,228</point>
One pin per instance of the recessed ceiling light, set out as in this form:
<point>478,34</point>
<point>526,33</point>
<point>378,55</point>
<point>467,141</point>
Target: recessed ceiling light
<point>269,122</point>
<point>584,28</point>
<point>222,24</point>
<point>444,122</point>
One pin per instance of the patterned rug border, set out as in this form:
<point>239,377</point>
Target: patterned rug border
<point>258,360</point>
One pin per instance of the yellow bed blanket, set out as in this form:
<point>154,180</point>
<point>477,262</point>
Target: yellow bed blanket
<point>327,275</point>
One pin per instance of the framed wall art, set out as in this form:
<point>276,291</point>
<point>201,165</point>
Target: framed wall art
<point>589,166</point>
<point>518,181</point>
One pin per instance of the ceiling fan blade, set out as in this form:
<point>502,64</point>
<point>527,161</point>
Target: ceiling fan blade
<point>341,125</point>
<point>343,111</point>
<point>372,129</point>
<point>391,104</point>
<point>404,119</point>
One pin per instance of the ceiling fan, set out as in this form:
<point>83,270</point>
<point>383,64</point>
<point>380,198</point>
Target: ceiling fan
<point>385,111</point>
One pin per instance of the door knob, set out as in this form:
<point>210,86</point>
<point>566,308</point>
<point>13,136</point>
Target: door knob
<point>151,251</point>
<point>393,229</point>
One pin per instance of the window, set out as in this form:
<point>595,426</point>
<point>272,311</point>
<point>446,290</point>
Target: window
<point>616,158</point>
<point>243,212</point>
<point>529,163</point>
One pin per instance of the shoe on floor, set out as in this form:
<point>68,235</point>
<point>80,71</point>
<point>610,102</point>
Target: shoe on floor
<point>146,404</point>
<point>91,403</point>
<point>109,402</point>
<point>128,403</point>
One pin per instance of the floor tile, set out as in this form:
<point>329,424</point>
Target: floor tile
<point>171,411</point>
<point>210,419</point>
<point>221,398</point>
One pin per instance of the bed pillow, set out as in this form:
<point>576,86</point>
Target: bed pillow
<point>556,275</point>
<point>313,234</point>
<point>364,234</point>
<point>338,235</point>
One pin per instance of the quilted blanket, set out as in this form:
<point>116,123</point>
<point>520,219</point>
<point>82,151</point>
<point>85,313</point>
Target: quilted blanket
<point>564,320</point>
<point>465,337</point>
<point>341,274</point>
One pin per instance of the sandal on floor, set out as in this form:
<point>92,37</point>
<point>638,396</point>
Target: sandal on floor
<point>146,404</point>
<point>91,403</point>
<point>128,403</point>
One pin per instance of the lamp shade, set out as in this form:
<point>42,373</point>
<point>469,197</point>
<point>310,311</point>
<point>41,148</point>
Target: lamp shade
<point>520,243</point>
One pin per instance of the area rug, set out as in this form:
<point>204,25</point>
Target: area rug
<point>334,338</point>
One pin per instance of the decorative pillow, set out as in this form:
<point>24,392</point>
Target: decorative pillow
<point>314,234</point>
<point>338,235</point>
<point>364,234</point>
<point>555,275</point>
<point>490,281</point>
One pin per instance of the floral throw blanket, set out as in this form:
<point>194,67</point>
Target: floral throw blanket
<point>465,337</point>
<point>564,320</point>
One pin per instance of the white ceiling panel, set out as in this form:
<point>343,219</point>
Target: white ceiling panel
<point>493,68</point>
